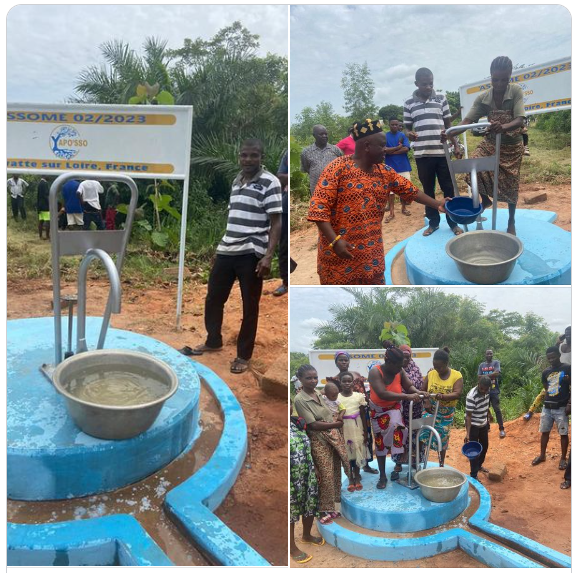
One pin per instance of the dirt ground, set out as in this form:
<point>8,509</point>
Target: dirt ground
<point>256,507</point>
<point>303,242</point>
<point>529,499</point>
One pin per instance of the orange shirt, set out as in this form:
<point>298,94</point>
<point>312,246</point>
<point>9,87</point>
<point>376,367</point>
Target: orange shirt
<point>396,386</point>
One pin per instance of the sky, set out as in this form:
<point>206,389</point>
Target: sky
<point>456,42</point>
<point>309,306</point>
<point>49,45</point>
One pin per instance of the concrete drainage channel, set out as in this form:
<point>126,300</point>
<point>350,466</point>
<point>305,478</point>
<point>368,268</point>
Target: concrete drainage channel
<point>470,532</point>
<point>172,508</point>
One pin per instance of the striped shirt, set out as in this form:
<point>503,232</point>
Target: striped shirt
<point>250,205</point>
<point>478,404</point>
<point>426,118</point>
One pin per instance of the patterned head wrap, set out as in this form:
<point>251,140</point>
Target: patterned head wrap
<point>405,348</point>
<point>339,353</point>
<point>369,127</point>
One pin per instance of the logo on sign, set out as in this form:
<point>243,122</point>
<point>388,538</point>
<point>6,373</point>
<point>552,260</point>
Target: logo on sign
<point>65,142</point>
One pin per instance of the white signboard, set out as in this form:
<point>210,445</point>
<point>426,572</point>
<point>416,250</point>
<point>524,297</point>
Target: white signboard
<point>546,87</point>
<point>144,141</point>
<point>362,360</point>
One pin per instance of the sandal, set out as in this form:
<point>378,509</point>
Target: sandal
<point>326,520</point>
<point>562,465</point>
<point>238,366</point>
<point>395,476</point>
<point>198,351</point>
<point>335,514</point>
<point>429,231</point>
<point>538,460</point>
<point>359,486</point>
<point>369,470</point>
<point>302,557</point>
<point>457,230</point>
<point>565,485</point>
<point>407,213</point>
<point>351,488</point>
<point>318,541</point>
<point>382,483</point>
<point>388,219</point>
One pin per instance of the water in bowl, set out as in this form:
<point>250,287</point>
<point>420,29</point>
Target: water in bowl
<point>441,480</point>
<point>116,386</point>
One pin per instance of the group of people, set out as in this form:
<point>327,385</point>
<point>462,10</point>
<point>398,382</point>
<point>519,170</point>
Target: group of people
<point>353,182</point>
<point>341,426</point>
<point>78,207</point>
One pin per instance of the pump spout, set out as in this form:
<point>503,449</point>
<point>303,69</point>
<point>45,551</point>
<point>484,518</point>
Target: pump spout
<point>114,296</point>
<point>435,433</point>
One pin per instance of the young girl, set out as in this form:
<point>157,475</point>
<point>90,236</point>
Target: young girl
<point>355,430</point>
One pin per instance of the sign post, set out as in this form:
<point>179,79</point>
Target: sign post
<point>143,141</point>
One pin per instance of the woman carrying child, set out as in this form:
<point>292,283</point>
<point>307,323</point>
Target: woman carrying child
<point>326,442</point>
<point>355,428</point>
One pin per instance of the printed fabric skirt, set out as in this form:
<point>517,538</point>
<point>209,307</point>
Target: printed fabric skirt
<point>388,429</point>
<point>329,455</point>
<point>303,482</point>
<point>443,424</point>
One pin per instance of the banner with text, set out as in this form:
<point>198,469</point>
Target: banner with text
<point>546,87</point>
<point>144,141</point>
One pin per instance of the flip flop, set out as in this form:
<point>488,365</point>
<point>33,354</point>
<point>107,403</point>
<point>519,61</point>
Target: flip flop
<point>429,231</point>
<point>538,460</point>
<point>359,486</point>
<point>382,484</point>
<point>238,366</point>
<point>302,558</point>
<point>565,485</point>
<point>351,488</point>
<point>369,470</point>
<point>388,219</point>
<point>407,213</point>
<point>335,514</point>
<point>326,520</point>
<point>317,543</point>
<point>562,465</point>
<point>198,351</point>
<point>457,230</point>
<point>394,476</point>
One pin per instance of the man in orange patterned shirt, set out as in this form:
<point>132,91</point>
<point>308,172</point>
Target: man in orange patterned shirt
<point>348,207</point>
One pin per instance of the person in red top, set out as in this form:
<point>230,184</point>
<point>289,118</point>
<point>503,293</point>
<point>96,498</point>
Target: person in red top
<point>389,385</point>
<point>347,145</point>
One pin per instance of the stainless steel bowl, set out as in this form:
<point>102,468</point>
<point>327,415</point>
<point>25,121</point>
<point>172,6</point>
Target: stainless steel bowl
<point>113,422</point>
<point>485,257</point>
<point>440,494</point>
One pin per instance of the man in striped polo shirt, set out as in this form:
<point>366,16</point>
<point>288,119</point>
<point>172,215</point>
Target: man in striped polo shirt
<point>477,424</point>
<point>426,114</point>
<point>244,253</point>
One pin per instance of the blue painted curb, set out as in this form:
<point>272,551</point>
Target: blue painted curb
<point>191,503</point>
<point>480,521</point>
<point>102,541</point>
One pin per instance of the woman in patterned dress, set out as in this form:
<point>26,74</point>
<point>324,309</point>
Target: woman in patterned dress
<point>326,442</point>
<point>389,385</point>
<point>415,376</point>
<point>348,207</point>
<point>342,360</point>
<point>444,385</point>
<point>303,489</point>
<point>503,105</point>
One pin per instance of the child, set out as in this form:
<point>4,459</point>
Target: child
<point>355,429</point>
<point>330,396</point>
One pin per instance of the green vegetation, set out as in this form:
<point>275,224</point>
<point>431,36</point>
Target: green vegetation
<point>236,95</point>
<point>434,318</point>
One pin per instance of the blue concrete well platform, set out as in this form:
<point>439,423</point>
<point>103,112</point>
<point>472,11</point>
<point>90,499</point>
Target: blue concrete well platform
<point>398,509</point>
<point>48,456</point>
<point>546,259</point>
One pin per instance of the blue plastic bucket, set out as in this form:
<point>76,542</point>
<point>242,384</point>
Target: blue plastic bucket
<point>461,210</point>
<point>472,450</point>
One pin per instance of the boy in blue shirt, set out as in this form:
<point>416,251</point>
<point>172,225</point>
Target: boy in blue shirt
<point>397,147</point>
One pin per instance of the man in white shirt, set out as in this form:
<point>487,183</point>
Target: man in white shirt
<point>16,187</point>
<point>89,193</point>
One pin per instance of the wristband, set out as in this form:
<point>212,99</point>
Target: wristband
<point>336,239</point>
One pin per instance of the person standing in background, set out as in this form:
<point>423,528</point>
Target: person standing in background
<point>347,145</point>
<point>397,147</point>
<point>17,187</point>
<point>491,368</point>
<point>111,202</point>
<point>315,157</point>
<point>477,424</point>
<point>43,208</point>
<point>283,246</point>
